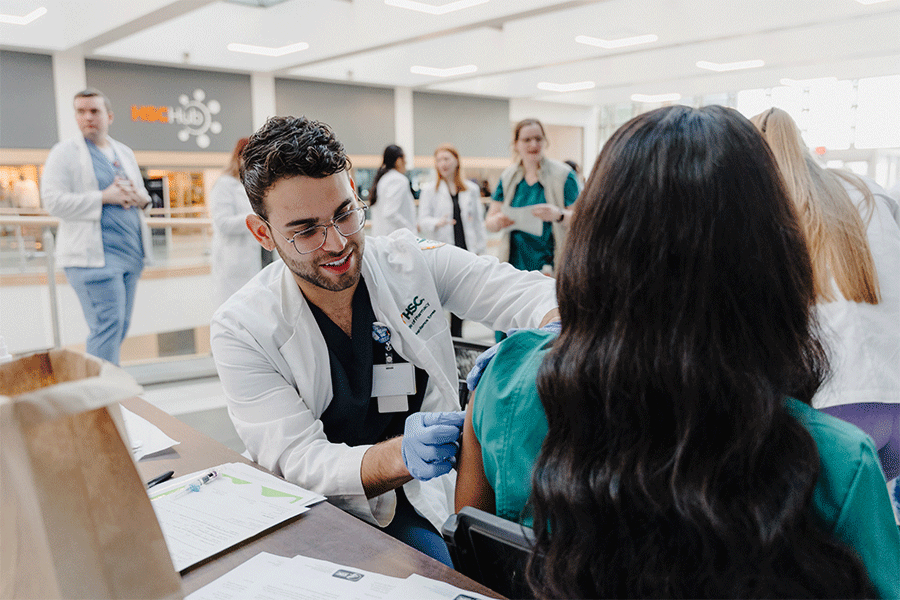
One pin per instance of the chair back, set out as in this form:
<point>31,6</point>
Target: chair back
<point>490,550</point>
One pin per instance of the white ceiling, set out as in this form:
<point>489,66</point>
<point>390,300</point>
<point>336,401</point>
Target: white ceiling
<point>515,44</point>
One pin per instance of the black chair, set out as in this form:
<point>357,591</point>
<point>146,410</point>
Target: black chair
<point>490,550</point>
<point>466,352</point>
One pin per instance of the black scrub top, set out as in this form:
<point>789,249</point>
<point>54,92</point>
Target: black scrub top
<point>352,417</point>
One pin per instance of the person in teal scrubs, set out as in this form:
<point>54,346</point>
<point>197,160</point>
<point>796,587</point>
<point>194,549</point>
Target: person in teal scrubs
<point>550,186</point>
<point>664,444</point>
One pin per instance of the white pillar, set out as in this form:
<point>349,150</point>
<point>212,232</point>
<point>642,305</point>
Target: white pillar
<point>591,141</point>
<point>262,98</point>
<point>403,124</point>
<point>68,79</point>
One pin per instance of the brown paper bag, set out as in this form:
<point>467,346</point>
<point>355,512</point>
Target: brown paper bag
<point>75,519</point>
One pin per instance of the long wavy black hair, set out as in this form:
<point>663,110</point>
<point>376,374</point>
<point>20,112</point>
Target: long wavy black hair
<point>671,467</point>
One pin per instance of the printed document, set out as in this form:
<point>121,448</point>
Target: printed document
<point>240,502</point>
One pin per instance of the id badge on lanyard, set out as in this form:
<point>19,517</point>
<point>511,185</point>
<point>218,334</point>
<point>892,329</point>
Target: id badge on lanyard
<point>392,384</point>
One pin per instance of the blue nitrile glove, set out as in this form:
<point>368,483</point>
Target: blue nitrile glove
<point>430,443</point>
<point>485,357</point>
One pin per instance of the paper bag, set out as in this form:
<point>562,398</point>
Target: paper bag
<point>76,519</point>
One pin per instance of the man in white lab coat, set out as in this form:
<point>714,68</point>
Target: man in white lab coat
<point>337,361</point>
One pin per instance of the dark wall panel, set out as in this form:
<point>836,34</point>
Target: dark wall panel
<point>362,117</point>
<point>170,109</point>
<point>27,104</point>
<point>476,126</point>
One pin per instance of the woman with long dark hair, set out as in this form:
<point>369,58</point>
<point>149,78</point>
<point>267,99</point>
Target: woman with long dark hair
<point>391,197</point>
<point>668,447</point>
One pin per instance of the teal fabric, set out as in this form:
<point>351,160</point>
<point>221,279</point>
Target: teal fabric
<point>531,252</point>
<point>850,499</point>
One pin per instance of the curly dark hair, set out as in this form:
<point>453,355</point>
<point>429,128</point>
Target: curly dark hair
<point>671,467</point>
<point>287,147</point>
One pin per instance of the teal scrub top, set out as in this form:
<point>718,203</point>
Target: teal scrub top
<point>850,499</point>
<point>531,252</point>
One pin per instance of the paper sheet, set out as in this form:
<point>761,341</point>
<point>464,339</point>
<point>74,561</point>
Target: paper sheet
<point>270,577</point>
<point>524,220</point>
<point>240,503</point>
<point>146,438</point>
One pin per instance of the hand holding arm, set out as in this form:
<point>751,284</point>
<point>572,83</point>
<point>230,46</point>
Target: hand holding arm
<point>430,443</point>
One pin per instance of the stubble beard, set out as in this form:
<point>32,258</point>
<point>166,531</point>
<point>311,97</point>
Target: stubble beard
<point>312,274</point>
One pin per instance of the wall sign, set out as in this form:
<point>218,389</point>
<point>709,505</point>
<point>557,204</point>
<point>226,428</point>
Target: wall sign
<point>193,115</point>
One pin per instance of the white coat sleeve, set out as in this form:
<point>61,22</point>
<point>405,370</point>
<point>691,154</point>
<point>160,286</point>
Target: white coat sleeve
<point>428,206</point>
<point>282,434</point>
<point>495,294</point>
<point>60,190</point>
<point>393,192</point>
<point>228,207</point>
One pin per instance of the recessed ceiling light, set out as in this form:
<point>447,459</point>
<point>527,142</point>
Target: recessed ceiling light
<point>432,9</point>
<point>32,16</point>
<point>733,66</point>
<point>566,87</point>
<point>807,82</point>
<point>418,70</point>
<point>619,43</point>
<point>656,98</point>
<point>265,51</point>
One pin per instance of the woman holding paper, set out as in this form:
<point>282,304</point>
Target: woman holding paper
<point>549,186</point>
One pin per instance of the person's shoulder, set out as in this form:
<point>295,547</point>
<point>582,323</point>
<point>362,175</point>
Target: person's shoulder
<point>259,296</point>
<point>842,446</point>
<point>525,342</point>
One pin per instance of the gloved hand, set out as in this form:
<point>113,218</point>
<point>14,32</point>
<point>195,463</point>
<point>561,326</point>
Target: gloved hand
<point>485,357</point>
<point>430,443</point>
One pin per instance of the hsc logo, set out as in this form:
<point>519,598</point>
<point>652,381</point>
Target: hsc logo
<point>193,114</point>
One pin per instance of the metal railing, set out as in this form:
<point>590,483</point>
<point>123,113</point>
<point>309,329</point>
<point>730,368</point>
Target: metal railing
<point>34,219</point>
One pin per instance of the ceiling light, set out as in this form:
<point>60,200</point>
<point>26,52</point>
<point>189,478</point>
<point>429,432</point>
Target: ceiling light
<point>566,87</point>
<point>733,66</point>
<point>619,43</point>
<point>265,51</point>
<point>32,16</point>
<point>434,10</point>
<point>656,98</point>
<point>418,70</point>
<point>807,82</point>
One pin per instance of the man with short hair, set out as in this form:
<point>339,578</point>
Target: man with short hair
<point>93,184</point>
<point>337,361</point>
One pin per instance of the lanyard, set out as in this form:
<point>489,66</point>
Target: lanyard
<point>382,335</point>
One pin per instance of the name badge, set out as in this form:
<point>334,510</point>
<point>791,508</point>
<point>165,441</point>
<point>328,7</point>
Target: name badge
<point>391,384</point>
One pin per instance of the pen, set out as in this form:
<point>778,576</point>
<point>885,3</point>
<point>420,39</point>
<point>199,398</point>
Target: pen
<point>194,486</point>
<point>157,480</point>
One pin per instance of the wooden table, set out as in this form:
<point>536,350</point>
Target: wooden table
<point>324,532</point>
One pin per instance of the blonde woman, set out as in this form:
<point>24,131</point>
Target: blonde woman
<point>852,228</point>
<point>550,186</point>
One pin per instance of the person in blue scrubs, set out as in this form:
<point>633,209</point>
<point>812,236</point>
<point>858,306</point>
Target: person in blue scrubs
<point>93,184</point>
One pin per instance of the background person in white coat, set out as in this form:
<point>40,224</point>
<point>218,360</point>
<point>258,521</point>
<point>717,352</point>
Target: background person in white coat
<point>92,183</point>
<point>450,211</point>
<point>236,257</point>
<point>391,199</point>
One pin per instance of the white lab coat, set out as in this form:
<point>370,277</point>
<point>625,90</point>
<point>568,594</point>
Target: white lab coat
<point>236,255</point>
<point>435,204</point>
<point>70,191</point>
<point>864,339</point>
<point>394,206</point>
<point>274,367</point>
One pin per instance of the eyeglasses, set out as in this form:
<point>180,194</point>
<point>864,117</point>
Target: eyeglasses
<point>312,238</point>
